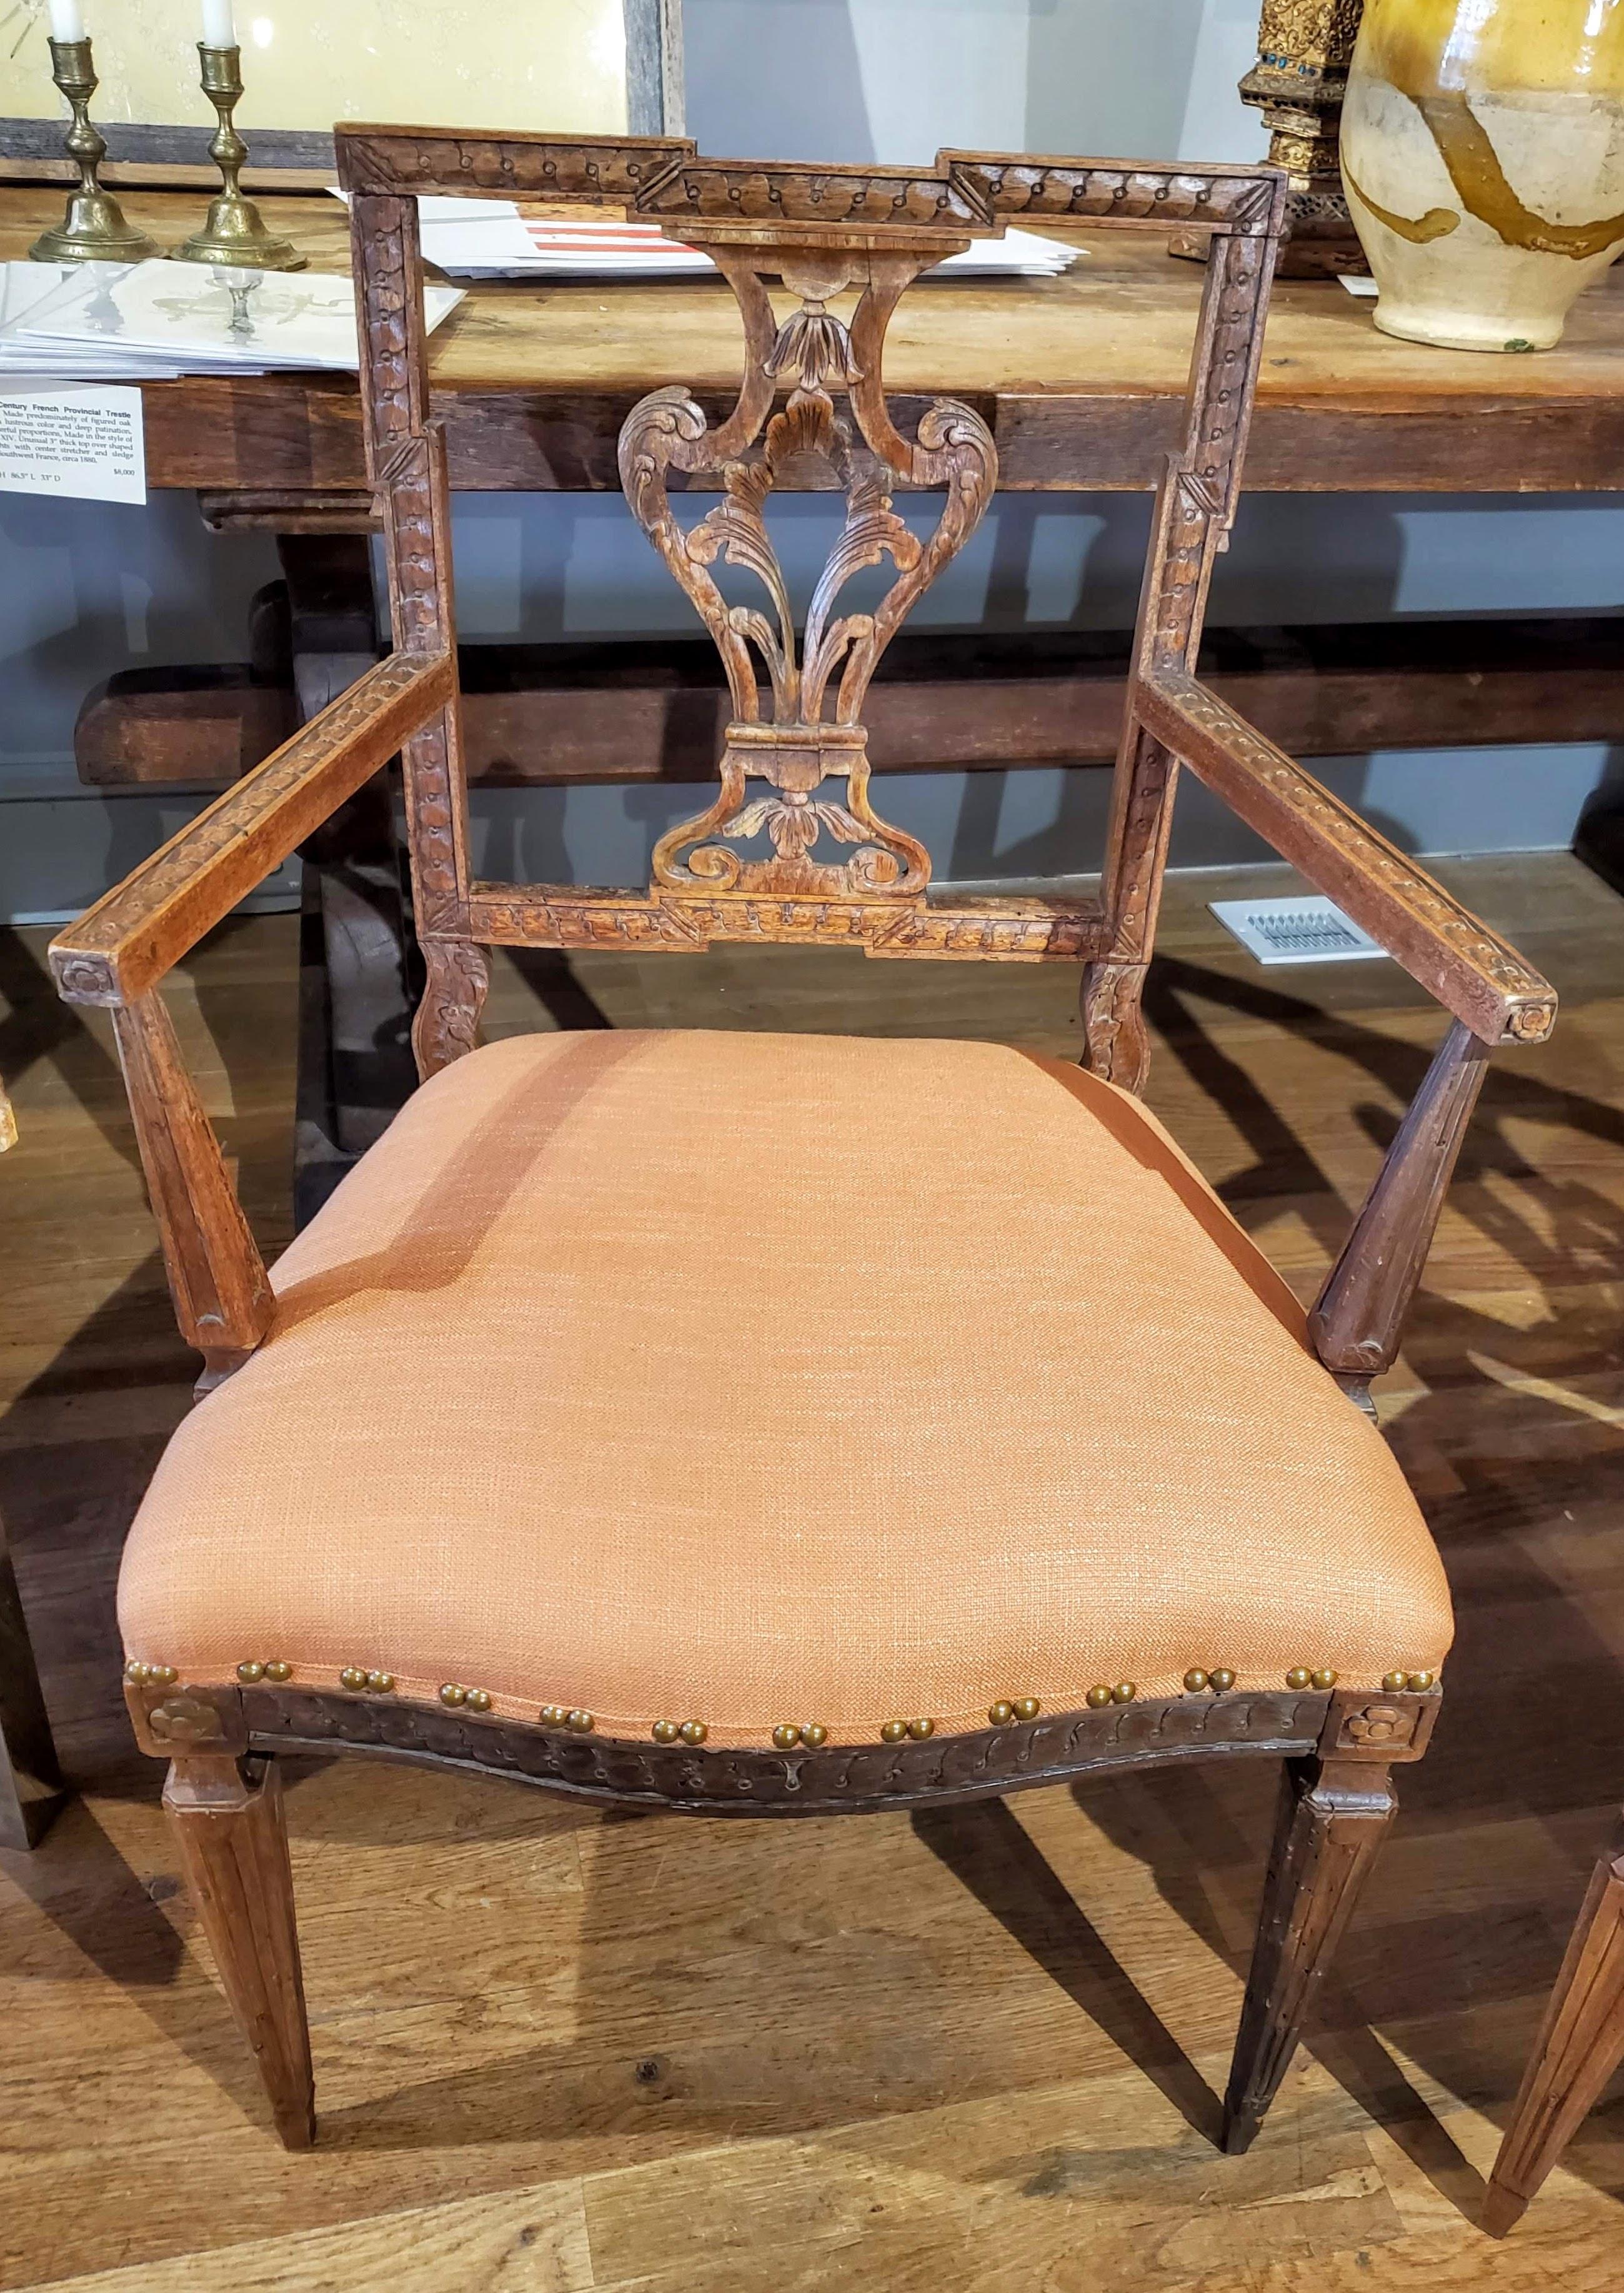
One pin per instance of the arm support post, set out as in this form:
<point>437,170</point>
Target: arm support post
<point>1356,1323</point>
<point>119,949</point>
<point>216,1277</point>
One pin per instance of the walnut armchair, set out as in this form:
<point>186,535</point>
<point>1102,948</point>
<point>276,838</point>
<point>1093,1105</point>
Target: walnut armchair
<point>742,1424</point>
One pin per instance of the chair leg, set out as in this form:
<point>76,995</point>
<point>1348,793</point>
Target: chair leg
<point>228,1819</point>
<point>1334,1814</point>
<point>1579,2045</point>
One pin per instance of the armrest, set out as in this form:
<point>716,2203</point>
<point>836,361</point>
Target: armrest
<point>121,947</point>
<point>1474,974</point>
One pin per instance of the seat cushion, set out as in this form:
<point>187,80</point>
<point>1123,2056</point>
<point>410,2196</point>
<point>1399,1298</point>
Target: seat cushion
<point>760,1379</point>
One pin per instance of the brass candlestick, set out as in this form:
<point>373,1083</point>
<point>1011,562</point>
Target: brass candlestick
<point>235,230</point>
<point>93,229</point>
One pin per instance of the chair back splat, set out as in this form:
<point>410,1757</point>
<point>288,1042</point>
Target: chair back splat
<point>790,847</point>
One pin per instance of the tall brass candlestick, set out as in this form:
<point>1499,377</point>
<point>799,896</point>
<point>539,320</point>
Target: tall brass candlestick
<point>93,229</point>
<point>235,231</point>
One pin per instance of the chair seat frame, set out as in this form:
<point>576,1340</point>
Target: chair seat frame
<point>821,233</point>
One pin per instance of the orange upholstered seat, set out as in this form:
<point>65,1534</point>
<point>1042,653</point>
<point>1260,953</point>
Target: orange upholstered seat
<point>759,1380</point>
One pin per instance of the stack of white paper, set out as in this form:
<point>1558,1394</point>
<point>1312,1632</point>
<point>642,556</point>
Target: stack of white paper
<point>490,239</point>
<point>153,321</point>
<point>29,288</point>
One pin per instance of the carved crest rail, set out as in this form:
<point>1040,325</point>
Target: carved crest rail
<point>792,846</point>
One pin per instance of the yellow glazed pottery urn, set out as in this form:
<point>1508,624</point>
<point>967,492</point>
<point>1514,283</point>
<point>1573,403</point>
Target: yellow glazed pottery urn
<point>1482,151</point>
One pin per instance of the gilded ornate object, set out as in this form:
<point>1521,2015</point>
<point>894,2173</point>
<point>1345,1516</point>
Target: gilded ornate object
<point>93,229</point>
<point>1298,83</point>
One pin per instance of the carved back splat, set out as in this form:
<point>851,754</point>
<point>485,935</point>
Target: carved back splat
<point>791,847</point>
<point>815,733</point>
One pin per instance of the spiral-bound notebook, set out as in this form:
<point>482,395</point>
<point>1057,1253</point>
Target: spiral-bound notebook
<point>1309,930</point>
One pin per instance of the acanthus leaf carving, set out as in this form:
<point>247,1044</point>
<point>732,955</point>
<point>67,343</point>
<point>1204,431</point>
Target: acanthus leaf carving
<point>803,742</point>
<point>446,1023</point>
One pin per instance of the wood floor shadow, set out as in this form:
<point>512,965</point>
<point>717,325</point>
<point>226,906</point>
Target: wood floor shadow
<point>81,1440</point>
<point>114,1926</point>
<point>551,978</point>
<point>986,1848</point>
<point>1511,1457</point>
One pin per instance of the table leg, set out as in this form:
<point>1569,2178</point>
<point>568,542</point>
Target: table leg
<point>357,951</point>
<point>31,1787</point>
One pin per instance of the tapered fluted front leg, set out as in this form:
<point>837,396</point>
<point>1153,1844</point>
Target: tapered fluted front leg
<point>1334,1815</point>
<point>1579,2045</point>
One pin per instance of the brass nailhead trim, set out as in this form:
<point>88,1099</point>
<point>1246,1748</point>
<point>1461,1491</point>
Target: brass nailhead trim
<point>161,1675</point>
<point>554,1715</point>
<point>786,1736</point>
<point>580,1723</point>
<point>1420,1681</point>
<point>1299,1676</point>
<point>1124,1692</point>
<point>1097,1697</point>
<point>1393,1682</point>
<point>1026,1707</point>
<point>1001,1714</point>
<point>1223,1679</point>
<point>920,1728</point>
<point>693,1731</point>
<point>815,1736</point>
<point>479,1699</point>
<point>381,1682</point>
<point>279,1671</point>
<point>664,1732</point>
<point>1324,1677</point>
<point>1196,1681</point>
<point>250,1673</point>
<point>893,1731</point>
<point>353,1677</point>
<point>453,1695</point>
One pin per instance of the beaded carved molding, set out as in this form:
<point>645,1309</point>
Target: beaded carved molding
<point>792,846</point>
<point>802,1780</point>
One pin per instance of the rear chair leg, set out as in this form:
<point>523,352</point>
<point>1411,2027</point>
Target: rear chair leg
<point>1334,1815</point>
<point>228,1819</point>
<point>1579,2045</point>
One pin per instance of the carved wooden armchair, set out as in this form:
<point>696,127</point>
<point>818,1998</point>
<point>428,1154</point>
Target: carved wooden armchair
<point>763,1425</point>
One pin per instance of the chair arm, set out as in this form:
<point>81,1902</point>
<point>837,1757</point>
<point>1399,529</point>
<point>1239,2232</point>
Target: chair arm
<point>118,950</point>
<point>1474,974</point>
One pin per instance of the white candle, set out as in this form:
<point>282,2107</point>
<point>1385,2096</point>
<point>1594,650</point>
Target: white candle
<point>218,30</point>
<point>67,20</point>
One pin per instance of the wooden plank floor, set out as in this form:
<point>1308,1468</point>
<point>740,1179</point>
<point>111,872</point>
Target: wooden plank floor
<point>982,2050</point>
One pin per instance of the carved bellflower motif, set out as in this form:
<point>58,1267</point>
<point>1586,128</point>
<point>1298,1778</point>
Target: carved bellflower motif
<point>814,346</point>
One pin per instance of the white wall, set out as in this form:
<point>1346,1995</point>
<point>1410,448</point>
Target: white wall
<point>88,591</point>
